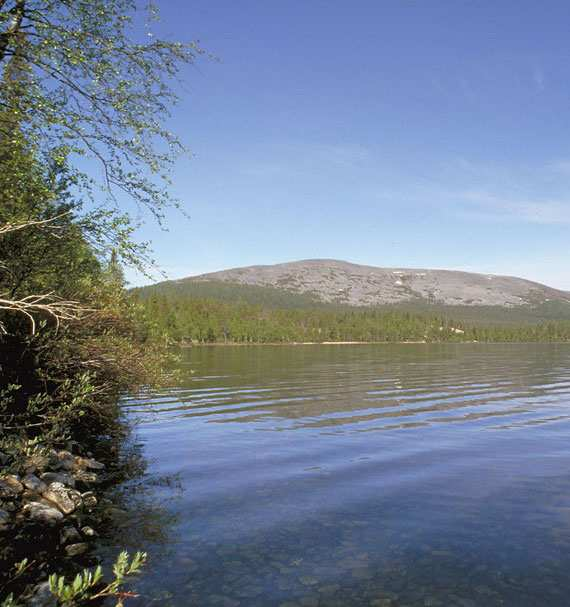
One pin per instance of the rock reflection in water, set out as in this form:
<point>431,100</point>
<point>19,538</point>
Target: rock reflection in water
<point>362,475</point>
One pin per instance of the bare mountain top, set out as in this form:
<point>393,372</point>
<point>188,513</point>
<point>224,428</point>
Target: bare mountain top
<point>353,284</point>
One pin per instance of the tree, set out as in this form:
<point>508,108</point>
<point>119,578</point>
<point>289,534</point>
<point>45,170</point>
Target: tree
<point>95,86</point>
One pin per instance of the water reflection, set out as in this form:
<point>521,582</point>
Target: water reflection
<point>363,475</point>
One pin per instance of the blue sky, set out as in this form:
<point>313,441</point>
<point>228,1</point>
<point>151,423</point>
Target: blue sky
<point>390,133</point>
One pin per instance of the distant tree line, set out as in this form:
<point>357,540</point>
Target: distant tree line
<point>186,319</point>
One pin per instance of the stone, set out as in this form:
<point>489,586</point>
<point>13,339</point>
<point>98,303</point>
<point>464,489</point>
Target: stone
<point>113,512</point>
<point>89,499</point>
<point>10,486</point>
<point>88,531</point>
<point>88,463</point>
<point>69,535</point>
<point>58,477</point>
<point>30,496</point>
<point>329,589</point>
<point>361,573</point>
<point>42,513</point>
<point>33,483</point>
<point>308,580</point>
<point>66,461</point>
<point>67,500</point>
<point>35,464</point>
<point>86,478</point>
<point>4,518</point>
<point>76,549</point>
<point>42,597</point>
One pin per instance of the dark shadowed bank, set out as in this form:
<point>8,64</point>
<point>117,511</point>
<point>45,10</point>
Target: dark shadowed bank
<point>77,80</point>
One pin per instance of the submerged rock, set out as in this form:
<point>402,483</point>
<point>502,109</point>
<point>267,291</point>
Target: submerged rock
<point>42,597</point>
<point>69,535</point>
<point>76,549</point>
<point>42,513</point>
<point>88,531</point>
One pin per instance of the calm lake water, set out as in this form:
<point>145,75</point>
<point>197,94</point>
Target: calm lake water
<point>357,475</point>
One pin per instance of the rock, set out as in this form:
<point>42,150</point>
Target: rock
<point>36,464</point>
<point>89,499</point>
<point>10,486</point>
<point>67,500</point>
<point>4,459</point>
<point>65,460</point>
<point>86,478</point>
<point>88,463</point>
<point>42,513</point>
<point>33,483</point>
<point>76,549</point>
<point>308,580</point>
<point>69,535</point>
<point>4,518</point>
<point>42,597</point>
<point>329,589</point>
<point>88,531</point>
<point>115,513</point>
<point>30,496</point>
<point>58,477</point>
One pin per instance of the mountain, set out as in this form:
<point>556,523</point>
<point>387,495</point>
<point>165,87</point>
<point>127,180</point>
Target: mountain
<point>340,282</point>
<point>318,282</point>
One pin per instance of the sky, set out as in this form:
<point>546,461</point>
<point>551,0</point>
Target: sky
<point>391,133</point>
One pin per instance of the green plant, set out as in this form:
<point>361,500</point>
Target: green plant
<point>87,585</point>
<point>19,569</point>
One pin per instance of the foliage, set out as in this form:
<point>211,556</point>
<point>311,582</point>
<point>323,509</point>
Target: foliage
<point>88,79</point>
<point>181,318</point>
<point>87,586</point>
<point>281,298</point>
<point>82,82</point>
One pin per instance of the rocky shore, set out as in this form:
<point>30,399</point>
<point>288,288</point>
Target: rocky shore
<point>50,507</point>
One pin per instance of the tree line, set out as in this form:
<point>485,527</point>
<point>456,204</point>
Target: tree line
<point>186,319</point>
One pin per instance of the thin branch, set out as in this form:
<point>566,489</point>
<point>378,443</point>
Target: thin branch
<point>14,227</point>
<point>13,28</point>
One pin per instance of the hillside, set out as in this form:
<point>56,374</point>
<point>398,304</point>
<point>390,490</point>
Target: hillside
<point>316,283</point>
<point>334,281</point>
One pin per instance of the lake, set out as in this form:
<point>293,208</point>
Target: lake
<point>382,475</point>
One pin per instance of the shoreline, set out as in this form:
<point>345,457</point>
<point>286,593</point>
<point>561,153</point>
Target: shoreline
<point>52,506</point>
<point>361,343</point>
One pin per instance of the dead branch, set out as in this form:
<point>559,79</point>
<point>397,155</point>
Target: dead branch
<point>47,304</point>
<point>14,227</point>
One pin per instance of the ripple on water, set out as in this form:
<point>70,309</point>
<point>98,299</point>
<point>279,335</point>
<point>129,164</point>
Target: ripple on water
<point>364,475</point>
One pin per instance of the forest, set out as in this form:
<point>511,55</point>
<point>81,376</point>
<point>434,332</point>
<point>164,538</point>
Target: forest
<point>185,319</point>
